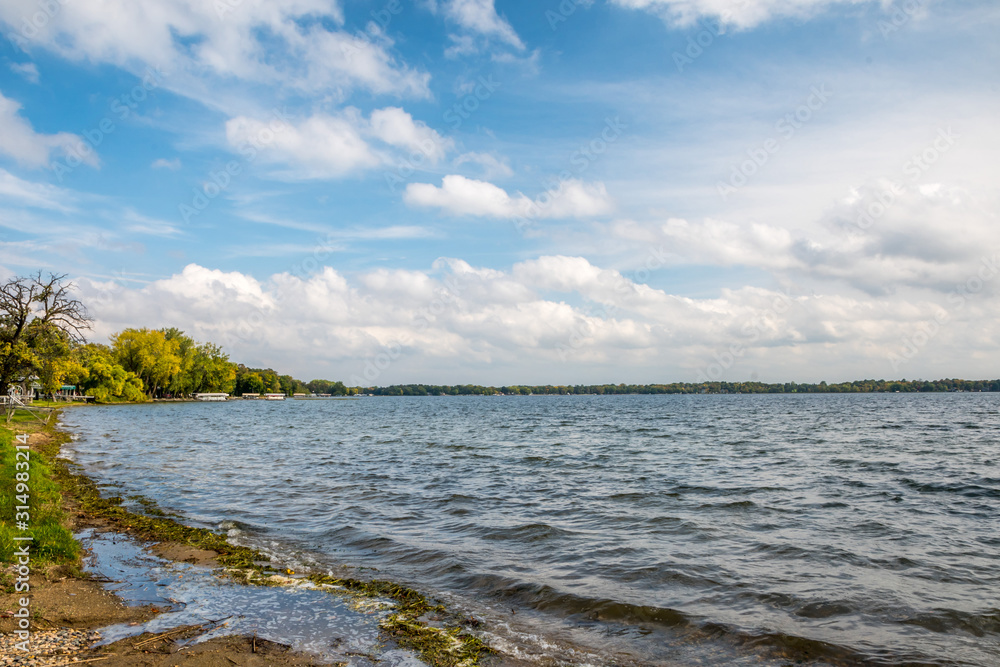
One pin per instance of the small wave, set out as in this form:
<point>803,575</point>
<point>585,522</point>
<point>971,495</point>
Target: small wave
<point>631,496</point>
<point>966,490</point>
<point>733,506</point>
<point>532,532</point>
<point>234,527</point>
<point>949,620</point>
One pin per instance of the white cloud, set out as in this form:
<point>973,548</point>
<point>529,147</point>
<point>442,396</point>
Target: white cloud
<point>459,195</point>
<point>457,323</point>
<point>737,13</point>
<point>17,191</point>
<point>163,163</point>
<point>28,70</point>
<point>205,46</point>
<point>140,224</point>
<point>397,128</point>
<point>880,238</point>
<point>478,17</point>
<point>715,242</point>
<point>20,141</point>
<point>320,146</point>
<point>330,146</point>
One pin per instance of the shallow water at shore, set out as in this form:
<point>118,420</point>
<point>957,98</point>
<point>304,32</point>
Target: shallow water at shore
<point>330,627</point>
<point>647,529</point>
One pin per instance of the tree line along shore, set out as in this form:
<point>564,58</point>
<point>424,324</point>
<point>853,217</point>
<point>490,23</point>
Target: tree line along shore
<point>43,349</point>
<point>854,387</point>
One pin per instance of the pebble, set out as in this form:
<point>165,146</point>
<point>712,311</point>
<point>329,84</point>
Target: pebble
<point>48,647</point>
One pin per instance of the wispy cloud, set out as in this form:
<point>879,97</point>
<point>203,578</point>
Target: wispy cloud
<point>32,149</point>
<point>28,70</point>
<point>163,163</point>
<point>480,24</point>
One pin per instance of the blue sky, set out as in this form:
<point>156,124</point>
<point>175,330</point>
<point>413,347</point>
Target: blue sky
<point>470,191</point>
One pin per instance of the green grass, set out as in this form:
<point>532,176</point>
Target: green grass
<point>53,542</point>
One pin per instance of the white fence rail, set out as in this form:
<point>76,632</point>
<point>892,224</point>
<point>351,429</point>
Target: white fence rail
<point>11,403</point>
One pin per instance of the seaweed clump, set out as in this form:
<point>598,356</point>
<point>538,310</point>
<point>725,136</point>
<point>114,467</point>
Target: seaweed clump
<point>439,646</point>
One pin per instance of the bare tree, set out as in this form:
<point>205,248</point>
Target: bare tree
<point>33,312</point>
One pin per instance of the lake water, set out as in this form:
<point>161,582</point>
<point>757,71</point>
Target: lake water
<point>667,530</point>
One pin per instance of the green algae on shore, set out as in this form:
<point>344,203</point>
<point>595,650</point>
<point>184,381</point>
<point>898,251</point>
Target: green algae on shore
<point>448,646</point>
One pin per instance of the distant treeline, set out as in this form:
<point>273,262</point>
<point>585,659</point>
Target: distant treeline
<point>855,387</point>
<point>141,364</point>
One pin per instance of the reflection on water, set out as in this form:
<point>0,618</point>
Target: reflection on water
<point>832,529</point>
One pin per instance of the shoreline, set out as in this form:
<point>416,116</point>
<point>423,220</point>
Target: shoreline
<point>414,625</point>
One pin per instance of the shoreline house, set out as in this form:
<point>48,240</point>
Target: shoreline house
<point>67,392</point>
<point>211,397</point>
<point>26,389</point>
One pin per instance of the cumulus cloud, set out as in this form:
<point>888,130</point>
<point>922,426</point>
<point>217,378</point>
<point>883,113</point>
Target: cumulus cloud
<point>454,323</point>
<point>328,146</point>
<point>397,128</point>
<point>737,13</point>
<point>32,149</point>
<point>205,44</point>
<point>319,146</point>
<point>881,237</point>
<point>459,195</point>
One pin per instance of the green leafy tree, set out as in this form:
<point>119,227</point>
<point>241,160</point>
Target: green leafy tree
<point>38,320</point>
<point>149,354</point>
<point>213,371</point>
<point>106,380</point>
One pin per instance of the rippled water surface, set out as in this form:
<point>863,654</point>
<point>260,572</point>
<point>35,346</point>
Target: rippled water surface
<point>821,529</point>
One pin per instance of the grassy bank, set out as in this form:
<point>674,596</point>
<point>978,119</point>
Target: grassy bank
<point>55,481</point>
<point>31,481</point>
